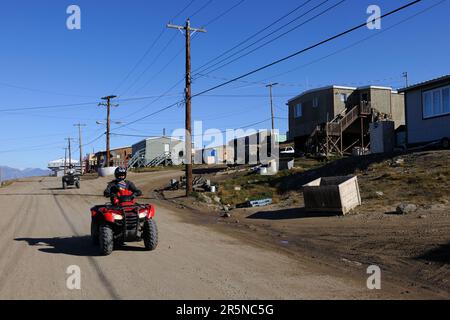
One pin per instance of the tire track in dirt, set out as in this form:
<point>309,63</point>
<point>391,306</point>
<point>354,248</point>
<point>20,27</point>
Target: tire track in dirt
<point>102,277</point>
<point>18,254</point>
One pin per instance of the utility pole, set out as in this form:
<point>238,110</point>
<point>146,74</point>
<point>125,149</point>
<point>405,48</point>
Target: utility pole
<point>108,124</point>
<point>405,75</point>
<point>65,160</point>
<point>79,125</point>
<point>70,152</point>
<point>188,31</point>
<point>270,86</point>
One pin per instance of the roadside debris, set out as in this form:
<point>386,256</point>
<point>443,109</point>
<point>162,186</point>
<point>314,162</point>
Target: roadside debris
<point>256,203</point>
<point>260,203</point>
<point>405,208</point>
<point>380,194</point>
<point>332,194</point>
<point>356,263</point>
<point>198,183</point>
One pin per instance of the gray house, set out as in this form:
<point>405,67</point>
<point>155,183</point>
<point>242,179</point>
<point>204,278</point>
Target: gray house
<point>427,107</point>
<point>336,118</point>
<point>156,151</point>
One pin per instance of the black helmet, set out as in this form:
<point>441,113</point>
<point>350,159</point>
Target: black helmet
<point>120,172</point>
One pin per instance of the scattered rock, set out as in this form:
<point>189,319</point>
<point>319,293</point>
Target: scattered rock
<point>397,162</point>
<point>217,199</point>
<point>356,263</point>
<point>379,194</point>
<point>205,198</point>
<point>237,188</point>
<point>423,217</point>
<point>406,209</point>
<point>226,215</point>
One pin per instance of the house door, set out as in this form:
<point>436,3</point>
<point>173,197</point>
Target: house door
<point>166,148</point>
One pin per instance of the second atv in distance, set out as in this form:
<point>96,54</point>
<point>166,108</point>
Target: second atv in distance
<point>71,179</point>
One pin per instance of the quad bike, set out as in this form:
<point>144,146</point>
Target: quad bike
<point>71,180</point>
<point>114,224</point>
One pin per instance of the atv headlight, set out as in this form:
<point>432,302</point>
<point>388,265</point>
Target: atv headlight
<point>117,216</point>
<point>143,214</point>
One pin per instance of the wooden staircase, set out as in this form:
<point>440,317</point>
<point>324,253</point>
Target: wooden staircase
<point>327,138</point>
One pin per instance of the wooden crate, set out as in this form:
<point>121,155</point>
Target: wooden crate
<point>332,194</point>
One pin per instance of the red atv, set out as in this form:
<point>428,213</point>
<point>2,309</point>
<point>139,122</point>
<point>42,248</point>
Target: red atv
<point>124,221</point>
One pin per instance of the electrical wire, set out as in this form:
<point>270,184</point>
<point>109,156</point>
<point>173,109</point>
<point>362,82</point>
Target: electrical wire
<point>254,35</point>
<point>150,48</point>
<point>272,40</point>
<point>339,35</point>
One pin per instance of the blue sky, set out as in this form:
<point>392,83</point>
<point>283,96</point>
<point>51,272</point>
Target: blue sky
<point>43,63</point>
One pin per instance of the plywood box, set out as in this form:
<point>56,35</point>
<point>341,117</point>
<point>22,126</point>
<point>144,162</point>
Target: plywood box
<point>332,194</point>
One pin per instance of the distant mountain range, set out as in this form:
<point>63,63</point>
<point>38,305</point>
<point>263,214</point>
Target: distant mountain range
<point>7,173</point>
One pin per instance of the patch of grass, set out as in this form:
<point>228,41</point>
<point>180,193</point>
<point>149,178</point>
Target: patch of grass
<point>155,169</point>
<point>6,183</point>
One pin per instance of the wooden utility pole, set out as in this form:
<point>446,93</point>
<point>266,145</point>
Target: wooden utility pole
<point>79,125</point>
<point>188,93</point>
<point>70,152</point>
<point>270,86</point>
<point>108,106</point>
<point>65,161</point>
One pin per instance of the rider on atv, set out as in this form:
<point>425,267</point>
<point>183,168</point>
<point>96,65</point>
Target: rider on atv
<point>121,191</point>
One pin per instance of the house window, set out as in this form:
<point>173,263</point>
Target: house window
<point>344,97</point>
<point>316,102</point>
<point>436,102</point>
<point>298,110</point>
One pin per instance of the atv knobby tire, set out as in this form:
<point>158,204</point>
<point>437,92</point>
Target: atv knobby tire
<point>150,235</point>
<point>77,184</point>
<point>106,238</point>
<point>64,185</point>
<point>94,233</point>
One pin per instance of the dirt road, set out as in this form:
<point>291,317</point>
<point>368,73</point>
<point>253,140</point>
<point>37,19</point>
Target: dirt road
<point>44,230</point>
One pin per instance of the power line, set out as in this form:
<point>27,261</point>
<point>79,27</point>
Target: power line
<point>150,48</point>
<point>42,91</point>
<point>49,107</point>
<point>255,34</point>
<point>176,56</point>
<point>182,49</point>
<point>354,44</point>
<point>221,131</point>
<point>272,40</point>
<point>162,51</point>
<point>172,39</point>
<point>306,49</point>
<point>281,60</point>
<point>224,13</point>
<point>200,9</point>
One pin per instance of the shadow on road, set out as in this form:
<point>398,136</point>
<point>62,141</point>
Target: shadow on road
<point>74,246</point>
<point>287,214</point>
<point>440,254</point>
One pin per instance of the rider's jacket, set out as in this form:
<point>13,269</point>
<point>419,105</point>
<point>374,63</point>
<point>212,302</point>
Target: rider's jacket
<point>121,192</point>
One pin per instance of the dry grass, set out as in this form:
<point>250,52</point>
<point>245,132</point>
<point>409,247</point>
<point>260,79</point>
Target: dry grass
<point>156,169</point>
<point>256,187</point>
<point>420,178</point>
<point>6,183</point>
